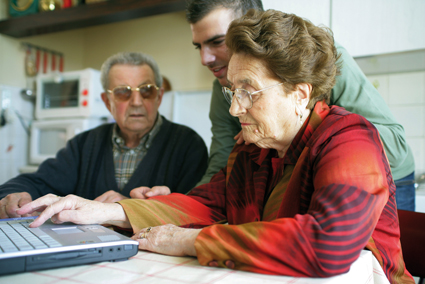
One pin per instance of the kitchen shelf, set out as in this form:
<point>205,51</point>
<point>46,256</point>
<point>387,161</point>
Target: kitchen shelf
<point>87,15</point>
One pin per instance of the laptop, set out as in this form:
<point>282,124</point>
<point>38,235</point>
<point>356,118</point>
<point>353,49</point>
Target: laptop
<point>53,245</point>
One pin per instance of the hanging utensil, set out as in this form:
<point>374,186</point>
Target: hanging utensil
<point>30,66</point>
<point>53,62</point>
<point>37,60</point>
<point>61,63</point>
<point>45,62</point>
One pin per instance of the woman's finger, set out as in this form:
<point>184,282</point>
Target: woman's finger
<point>37,204</point>
<point>50,210</point>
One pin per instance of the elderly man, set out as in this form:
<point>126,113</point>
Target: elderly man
<point>209,21</point>
<point>123,159</point>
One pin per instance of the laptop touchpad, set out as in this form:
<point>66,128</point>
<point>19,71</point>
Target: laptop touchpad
<point>67,230</point>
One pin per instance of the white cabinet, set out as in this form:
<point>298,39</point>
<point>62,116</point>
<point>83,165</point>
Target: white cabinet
<point>364,27</point>
<point>370,27</point>
<point>317,11</point>
<point>182,107</point>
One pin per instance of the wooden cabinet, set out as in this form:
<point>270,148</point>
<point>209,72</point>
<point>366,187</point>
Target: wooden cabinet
<point>87,15</point>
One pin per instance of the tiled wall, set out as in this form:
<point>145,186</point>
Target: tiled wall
<point>405,95</point>
<point>400,79</point>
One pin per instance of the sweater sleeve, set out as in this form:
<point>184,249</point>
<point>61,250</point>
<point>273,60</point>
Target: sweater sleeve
<point>350,191</point>
<point>194,161</point>
<point>58,175</point>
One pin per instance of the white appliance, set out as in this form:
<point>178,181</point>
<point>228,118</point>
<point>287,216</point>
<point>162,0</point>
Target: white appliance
<point>67,104</point>
<point>49,136</point>
<point>70,94</point>
<point>15,116</point>
<point>190,108</point>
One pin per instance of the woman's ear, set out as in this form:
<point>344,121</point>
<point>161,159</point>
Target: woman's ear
<point>303,94</point>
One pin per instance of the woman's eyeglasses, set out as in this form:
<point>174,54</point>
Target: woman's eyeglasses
<point>243,96</point>
<point>123,93</point>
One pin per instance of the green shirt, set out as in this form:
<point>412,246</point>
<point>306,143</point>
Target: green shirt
<point>353,91</point>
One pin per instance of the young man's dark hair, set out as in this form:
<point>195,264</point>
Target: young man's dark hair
<point>198,9</point>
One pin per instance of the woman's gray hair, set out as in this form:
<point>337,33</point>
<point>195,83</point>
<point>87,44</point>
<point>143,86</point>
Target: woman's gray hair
<point>129,58</point>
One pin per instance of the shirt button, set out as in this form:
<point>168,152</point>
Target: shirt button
<point>132,152</point>
<point>230,264</point>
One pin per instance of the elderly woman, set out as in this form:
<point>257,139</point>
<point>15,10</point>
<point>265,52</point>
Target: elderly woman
<point>311,190</point>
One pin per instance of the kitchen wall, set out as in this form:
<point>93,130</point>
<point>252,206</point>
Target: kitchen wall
<point>166,37</point>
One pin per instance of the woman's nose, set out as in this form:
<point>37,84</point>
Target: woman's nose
<point>236,109</point>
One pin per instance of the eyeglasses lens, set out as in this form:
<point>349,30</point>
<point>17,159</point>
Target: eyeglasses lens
<point>148,91</point>
<point>241,95</point>
<point>122,93</point>
<point>228,95</point>
<point>243,98</point>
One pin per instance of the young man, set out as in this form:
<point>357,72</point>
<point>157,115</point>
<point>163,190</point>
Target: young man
<point>209,21</point>
<point>123,159</point>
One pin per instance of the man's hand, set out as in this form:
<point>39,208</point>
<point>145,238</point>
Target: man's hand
<point>75,209</point>
<point>110,197</point>
<point>13,202</point>
<point>239,138</point>
<point>145,192</point>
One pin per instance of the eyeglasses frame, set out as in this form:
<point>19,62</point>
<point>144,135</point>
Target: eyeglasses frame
<point>225,90</point>
<point>133,89</point>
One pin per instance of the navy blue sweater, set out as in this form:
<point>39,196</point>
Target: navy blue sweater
<point>177,158</point>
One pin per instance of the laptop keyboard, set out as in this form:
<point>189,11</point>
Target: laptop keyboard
<point>16,236</point>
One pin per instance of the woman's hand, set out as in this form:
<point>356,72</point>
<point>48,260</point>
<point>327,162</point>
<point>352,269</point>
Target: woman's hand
<point>76,210</point>
<point>168,239</point>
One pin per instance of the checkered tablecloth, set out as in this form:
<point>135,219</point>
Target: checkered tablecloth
<point>148,267</point>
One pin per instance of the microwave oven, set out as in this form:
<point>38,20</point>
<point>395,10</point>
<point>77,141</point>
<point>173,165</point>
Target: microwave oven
<point>70,94</point>
<point>49,136</point>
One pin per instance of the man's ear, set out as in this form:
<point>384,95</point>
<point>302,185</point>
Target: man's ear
<point>160,95</point>
<point>303,94</point>
<point>106,101</point>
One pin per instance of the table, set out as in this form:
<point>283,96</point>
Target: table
<point>146,267</point>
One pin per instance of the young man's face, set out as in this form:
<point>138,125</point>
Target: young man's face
<point>208,36</point>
